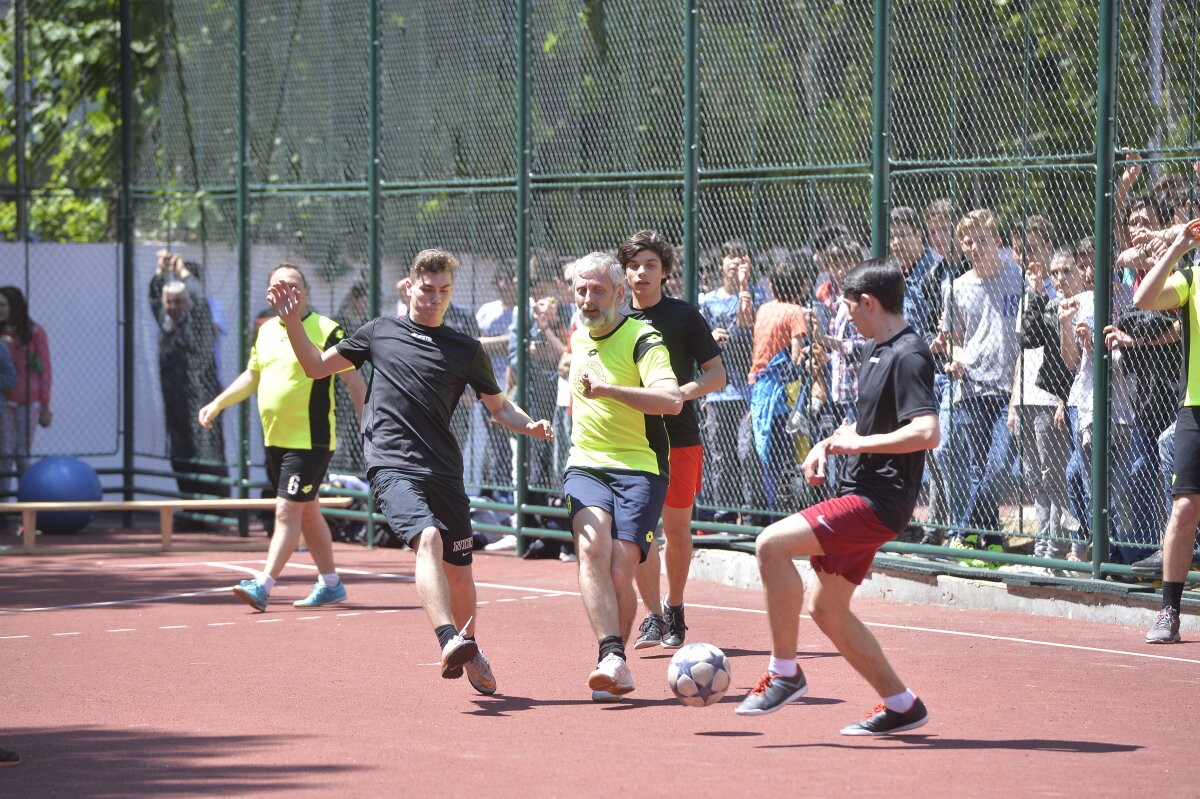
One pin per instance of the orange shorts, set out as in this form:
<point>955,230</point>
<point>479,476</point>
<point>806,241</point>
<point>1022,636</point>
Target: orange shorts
<point>687,467</point>
<point>850,533</point>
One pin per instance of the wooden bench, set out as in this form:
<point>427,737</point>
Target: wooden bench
<point>165,508</point>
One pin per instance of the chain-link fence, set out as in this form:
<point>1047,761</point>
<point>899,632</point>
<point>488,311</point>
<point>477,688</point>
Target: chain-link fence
<point>961,138</point>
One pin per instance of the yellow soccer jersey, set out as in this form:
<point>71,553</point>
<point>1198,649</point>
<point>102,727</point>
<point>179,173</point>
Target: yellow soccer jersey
<point>297,412</point>
<point>608,434</point>
<point>1184,284</point>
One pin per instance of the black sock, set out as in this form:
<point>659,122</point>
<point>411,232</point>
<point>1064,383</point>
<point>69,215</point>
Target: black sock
<point>1172,595</point>
<point>444,633</point>
<point>612,645</point>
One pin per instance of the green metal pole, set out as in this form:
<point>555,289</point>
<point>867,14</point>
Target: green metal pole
<point>373,198</point>
<point>128,295</point>
<point>881,133</point>
<point>22,199</point>
<point>523,199</point>
<point>243,254</point>
<point>691,151</point>
<point>1106,83</point>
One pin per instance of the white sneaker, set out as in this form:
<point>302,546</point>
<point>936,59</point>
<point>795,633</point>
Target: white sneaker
<point>612,675</point>
<point>604,698</point>
<point>505,543</point>
<point>479,673</point>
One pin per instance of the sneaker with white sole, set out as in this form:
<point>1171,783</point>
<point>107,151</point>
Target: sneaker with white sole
<point>455,654</point>
<point>772,692</point>
<point>479,673</point>
<point>882,721</point>
<point>1165,629</point>
<point>253,593</point>
<point>506,543</point>
<point>676,629</point>
<point>605,698</point>
<point>612,675</point>
<point>322,595</point>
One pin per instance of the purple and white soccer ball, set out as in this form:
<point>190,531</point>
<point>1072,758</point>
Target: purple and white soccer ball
<point>699,675</point>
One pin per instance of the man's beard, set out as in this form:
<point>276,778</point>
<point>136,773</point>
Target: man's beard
<point>598,322</point>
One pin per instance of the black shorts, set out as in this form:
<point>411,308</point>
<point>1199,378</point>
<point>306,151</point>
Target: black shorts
<point>633,499</point>
<point>297,473</point>
<point>413,503</point>
<point>1186,479</point>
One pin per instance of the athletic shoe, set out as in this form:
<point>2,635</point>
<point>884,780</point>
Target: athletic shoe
<point>252,593</point>
<point>605,698</point>
<point>506,543</point>
<point>882,721</point>
<point>1150,565</point>
<point>479,673</point>
<point>773,692</point>
<point>958,543</point>
<point>651,632</point>
<point>991,564</point>
<point>612,675</point>
<point>1165,629</point>
<point>455,654</point>
<point>676,629</point>
<point>8,758</point>
<point>322,595</point>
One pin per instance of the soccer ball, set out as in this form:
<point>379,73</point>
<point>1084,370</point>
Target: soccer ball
<point>699,675</point>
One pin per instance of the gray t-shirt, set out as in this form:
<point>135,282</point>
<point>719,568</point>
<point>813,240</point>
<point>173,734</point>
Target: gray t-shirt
<point>982,314</point>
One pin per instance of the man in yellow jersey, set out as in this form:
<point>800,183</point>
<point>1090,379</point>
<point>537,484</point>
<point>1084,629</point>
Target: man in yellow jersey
<point>298,430</point>
<point>414,464</point>
<point>618,470</point>
<point>1160,290</point>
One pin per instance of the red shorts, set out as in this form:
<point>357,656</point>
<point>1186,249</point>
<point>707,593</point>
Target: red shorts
<point>687,466</point>
<point>850,533</point>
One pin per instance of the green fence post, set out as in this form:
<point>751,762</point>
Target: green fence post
<point>881,137</point>
<point>243,255</point>
<point>691,150</point>
<point>521,311</point>
<point>128,296</point>
<point>373,198</point>
<point>1106,83</point>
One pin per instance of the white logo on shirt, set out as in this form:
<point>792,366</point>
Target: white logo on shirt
<point>422,336</point>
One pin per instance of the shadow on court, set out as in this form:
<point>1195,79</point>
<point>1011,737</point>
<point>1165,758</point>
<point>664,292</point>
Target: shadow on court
<point>950,744</point>
<point>98,763</point>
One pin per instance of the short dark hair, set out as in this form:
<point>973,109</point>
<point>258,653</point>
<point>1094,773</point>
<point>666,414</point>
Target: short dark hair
<point>1040,226</point>
<point>432,262</point>
<point>734,248</point>
<point>294,268</point>
<point>903,215</point>
<point>881,280</point>
<point>791,276</point>
<point>648,240</point>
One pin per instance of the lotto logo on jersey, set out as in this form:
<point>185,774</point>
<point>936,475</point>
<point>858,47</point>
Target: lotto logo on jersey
<point>593,366</point>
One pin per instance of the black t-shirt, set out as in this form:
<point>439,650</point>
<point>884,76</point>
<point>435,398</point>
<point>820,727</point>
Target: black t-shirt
<point>895,384</point>
<point>420,374</point>
<point>690,343</point>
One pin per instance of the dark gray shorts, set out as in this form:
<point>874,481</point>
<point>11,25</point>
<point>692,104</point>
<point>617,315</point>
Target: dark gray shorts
<point>413,503</point>
<point>633,499</point>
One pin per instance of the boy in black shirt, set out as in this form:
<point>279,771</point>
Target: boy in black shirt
<point>648,259</point>
<point>897,423</point>
<point>413,461</point>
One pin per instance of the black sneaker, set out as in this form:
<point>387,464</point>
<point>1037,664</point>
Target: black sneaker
<point>1150,565</point>
<point>885,722</point>
<point>772,692</point>
<point>1165,629</point>
<point>676,629</point>
<point>651,632</point>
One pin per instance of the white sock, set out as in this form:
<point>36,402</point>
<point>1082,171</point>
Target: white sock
<point>784,667</point>
<point>266,581</point>
<point>330,580</point>
<point>901,702</point>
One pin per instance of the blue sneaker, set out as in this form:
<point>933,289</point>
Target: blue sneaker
<point>322,595</point>
<point>252,593</point>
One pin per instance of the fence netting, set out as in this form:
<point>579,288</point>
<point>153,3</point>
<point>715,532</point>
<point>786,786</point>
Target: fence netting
<point>984,193</point>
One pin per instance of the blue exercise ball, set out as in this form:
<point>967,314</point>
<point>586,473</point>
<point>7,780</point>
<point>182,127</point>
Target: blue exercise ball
<point>61,478</point>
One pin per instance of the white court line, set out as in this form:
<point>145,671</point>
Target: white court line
<point>6,637</point>
<point>122,630</point>
<point>110,566</point>
<point>174,627</point>
<point>221,623</point>
<point>118,601</point>
<point>554,592</point>
<point>66,633</point>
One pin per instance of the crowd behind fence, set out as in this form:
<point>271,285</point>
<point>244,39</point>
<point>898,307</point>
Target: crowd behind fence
<point>1005,158</point>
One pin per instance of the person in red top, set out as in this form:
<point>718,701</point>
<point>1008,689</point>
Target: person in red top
<point>29,400</point>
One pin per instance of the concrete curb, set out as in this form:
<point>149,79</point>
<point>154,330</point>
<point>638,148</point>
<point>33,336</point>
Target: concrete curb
<point>740,570</point>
